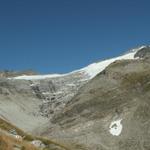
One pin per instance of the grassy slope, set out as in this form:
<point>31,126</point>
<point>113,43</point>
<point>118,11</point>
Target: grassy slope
<point>6,126</point>
<point>9,143</point>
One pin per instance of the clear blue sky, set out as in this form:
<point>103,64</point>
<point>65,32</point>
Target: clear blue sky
<point>52,36</point>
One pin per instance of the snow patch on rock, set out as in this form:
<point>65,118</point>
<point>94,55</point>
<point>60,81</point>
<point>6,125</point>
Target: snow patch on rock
<point>115,127</point>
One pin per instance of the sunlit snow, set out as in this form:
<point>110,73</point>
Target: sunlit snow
<point>91,70</point>
<point>36,77</point>
<point>115,127</point>
<point>95,68</point>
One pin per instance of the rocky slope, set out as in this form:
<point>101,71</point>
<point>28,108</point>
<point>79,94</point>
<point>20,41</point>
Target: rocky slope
<point>95,107</point>
<point>112,111</point>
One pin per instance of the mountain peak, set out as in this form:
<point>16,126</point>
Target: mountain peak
<point>143,52</point>
<point>138,48</point>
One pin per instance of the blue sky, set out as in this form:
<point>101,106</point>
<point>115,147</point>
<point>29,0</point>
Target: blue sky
<point>57,36</point>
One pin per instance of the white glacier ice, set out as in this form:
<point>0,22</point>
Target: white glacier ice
<point>91,70</point>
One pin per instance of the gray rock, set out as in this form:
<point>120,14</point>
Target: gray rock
<point>39,144</point>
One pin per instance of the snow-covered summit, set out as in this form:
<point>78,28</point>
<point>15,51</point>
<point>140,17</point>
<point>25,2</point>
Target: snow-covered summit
<point>137,49</point>
<point>95,68</point>
<point>91,70</point>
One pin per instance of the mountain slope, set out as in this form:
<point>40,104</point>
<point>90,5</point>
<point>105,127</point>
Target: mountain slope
<point>34,99</point>
<point>87,107</point>
<point>111,112</point>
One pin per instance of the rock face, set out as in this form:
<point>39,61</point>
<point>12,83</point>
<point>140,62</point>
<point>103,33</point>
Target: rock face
<point>104,106</point>
<point>143,53</point>
<point>56,92</point>
<point>30,104</point>
<point>19,105</point>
